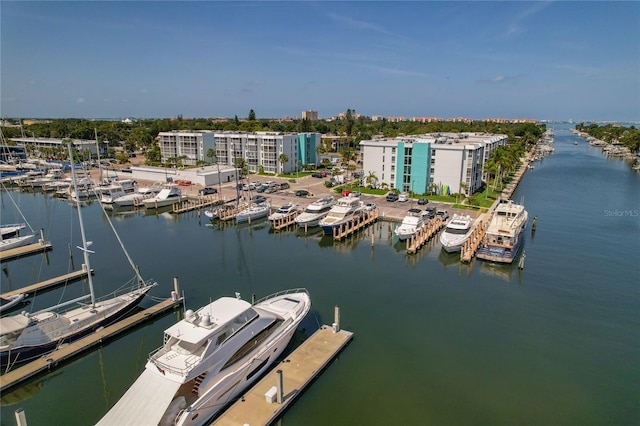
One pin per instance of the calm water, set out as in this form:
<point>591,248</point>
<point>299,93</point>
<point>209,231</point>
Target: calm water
<point>435,342</point>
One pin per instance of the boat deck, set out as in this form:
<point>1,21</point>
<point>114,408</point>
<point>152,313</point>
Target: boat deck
<point>49,361</point>
<point>298,370</point>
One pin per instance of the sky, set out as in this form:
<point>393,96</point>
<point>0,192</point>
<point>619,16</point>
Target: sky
<point>556,60</point>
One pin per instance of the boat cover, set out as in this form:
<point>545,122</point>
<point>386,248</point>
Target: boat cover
<point>13,323</point>
<point>144,403</point>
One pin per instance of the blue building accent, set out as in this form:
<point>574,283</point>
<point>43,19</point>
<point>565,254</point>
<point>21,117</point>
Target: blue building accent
<point>307,143</point>
<point>412,171</point>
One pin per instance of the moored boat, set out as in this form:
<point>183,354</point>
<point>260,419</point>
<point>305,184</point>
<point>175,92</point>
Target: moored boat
<point>456,232</point>
<point>284,211</point>
<point>315,212</point>
<point>166,197</point>
<point>343,211</point>
<point>253,212</point>
<point>411,223</point>
<point>505,233</point>
<point>209,358</point>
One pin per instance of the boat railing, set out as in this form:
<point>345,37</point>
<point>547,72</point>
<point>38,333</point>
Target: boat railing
<point>283,292</point>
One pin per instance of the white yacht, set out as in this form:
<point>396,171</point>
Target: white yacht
<point>209,358</point>
<point>411,223</point>
<point>109,194</point>
<point>135,198</point>
<point>343,211</point>
<point>315,212</point>
<point>505,233</point>
<point>456,233</point>
<point>166,197</point>
<point>284,211</point>
<point>253,212</point>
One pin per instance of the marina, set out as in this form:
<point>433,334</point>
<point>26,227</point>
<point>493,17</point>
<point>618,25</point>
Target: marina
<point>505,341</point>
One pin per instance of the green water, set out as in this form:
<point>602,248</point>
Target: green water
<point>436,342</point>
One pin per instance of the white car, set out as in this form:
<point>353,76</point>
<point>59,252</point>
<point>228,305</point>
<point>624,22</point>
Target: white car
<point>370,206</point>
<point>403,197</point>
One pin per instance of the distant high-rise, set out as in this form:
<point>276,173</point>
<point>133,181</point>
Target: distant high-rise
<point>310,115</point>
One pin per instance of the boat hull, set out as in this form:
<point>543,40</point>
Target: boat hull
<point>26,353</point>
<point>500,254</point>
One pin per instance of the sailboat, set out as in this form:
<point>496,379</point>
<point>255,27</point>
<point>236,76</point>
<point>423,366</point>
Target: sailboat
<point>10,233</point>
<point>27,336</point>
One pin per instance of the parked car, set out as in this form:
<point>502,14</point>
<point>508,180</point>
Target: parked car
<point>403,197</point>
<point>284,185</point>
<point>317,175</point>
<point>355,194</point>
<point>302,193</point>
<point>429,212</point>
<point>422,201</point>
<point>269,184</point>
<point>392,197</point>
<point>270,190</point>
<point>258,199</point>
<point>370,206</point>
<point>442,213</point>
<point>345,193</point>
<point>207,190</point>
<point>256,183</point>
<point>262,188</point>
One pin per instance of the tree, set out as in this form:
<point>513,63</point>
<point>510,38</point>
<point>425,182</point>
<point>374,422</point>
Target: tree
<point>371,179</point>
<point>283,158</point>
<point>252,115</point>
<point>211,153</point>
<point>241,164</point>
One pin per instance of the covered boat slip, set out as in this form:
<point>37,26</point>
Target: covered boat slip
<point>144,403</point>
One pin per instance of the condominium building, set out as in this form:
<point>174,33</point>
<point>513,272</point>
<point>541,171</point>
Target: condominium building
<point>309,115</point>
<point>261,151</point>
<point>441,163</point>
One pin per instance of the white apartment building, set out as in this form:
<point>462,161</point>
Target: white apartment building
<point>442,163</point>
<point>258,149</point>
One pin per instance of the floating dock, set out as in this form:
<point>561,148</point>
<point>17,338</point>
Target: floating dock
<point>424,234</point>
<point>66,351</point>
<point>357,223</point>
<point>17,252</point>
<point>196,204</point>
<point>294,373</point>
<point>53,282</point>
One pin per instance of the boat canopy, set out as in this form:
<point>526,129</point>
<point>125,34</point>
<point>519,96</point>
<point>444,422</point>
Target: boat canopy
<point>144,403</point>
<point>13,323</point>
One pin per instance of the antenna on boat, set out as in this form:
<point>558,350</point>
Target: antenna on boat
<point>85,250</point>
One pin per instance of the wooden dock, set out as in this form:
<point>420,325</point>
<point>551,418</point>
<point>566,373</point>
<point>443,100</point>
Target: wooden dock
<point>470,246</point>
<point>17,252</point>
<point>198,203</point>
<point>357,223</point>
<point>424,234</point>
<point>298,370</point>
<point>285,222</point>
<point>66,351</point>
<point>47,284</point>
<point>231,211</point>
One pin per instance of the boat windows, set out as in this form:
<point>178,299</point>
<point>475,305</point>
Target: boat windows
<point>253,343</point>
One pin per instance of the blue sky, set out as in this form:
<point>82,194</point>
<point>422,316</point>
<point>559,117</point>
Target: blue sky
<point>543,60</point>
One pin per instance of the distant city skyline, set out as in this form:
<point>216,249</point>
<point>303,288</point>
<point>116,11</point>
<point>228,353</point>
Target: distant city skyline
<point>529,60</point>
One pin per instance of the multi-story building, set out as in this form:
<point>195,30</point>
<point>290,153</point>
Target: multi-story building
<point>189,146</point>
<point>442,163</point>
<point>309,115</point>
<point>259,150</point>
<point>41,146</point>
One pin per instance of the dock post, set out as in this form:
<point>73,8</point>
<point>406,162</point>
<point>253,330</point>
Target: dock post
<point>253,298</point>
<point>336,319</point>
<point>41,236</point>
<point>175,286</point>
<point>521,261</point>
<point>21,418</point>
<point>280,394</point>
<point>373,239</point>
<point>533,224</point>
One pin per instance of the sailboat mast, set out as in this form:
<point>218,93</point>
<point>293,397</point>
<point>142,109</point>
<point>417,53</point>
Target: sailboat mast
<point>84,249</point>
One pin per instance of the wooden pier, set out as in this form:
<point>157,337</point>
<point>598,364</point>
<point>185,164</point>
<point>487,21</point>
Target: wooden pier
<point>48,284</point>
<point>424,234</point>
<point>230,212</point>
<point>196,204</point>
<point>296,372</point>
<point>355,224</point>
<point>66,351</point>
<point>285,222</point>
<point>470,246</point>
<point>17,252</point>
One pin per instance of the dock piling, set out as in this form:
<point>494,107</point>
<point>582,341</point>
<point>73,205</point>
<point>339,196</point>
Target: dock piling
<point>21,417</point>
<point>280,385</point>
<point>336,319</point>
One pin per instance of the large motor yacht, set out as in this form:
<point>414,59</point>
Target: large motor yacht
<point>209,358</point>
<point>315,212</point>
<point>343,211</point>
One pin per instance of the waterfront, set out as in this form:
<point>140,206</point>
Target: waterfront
<point>435,342</point>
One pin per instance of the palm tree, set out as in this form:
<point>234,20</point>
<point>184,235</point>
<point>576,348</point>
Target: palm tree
<point>283,158</point>
<point>371,179</point>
